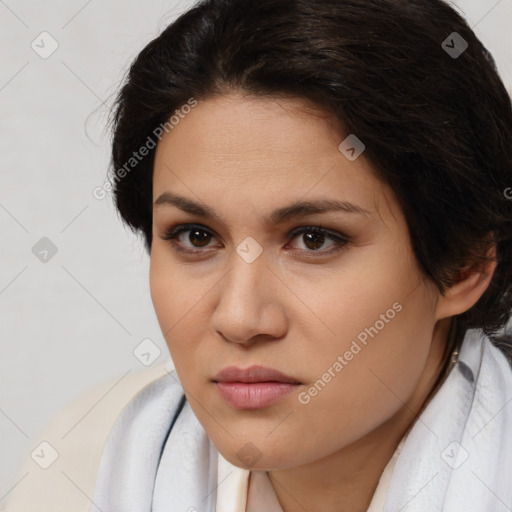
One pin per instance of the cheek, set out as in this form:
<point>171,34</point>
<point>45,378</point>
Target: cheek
<point>173,292</point>
<point>380,335</point>
<point>374,303</point>
<point>368,363</point>
<point>163,291</point>
<point>176,304</point>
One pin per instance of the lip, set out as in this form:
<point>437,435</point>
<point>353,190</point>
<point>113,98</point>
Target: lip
<point>255,373</point>
<point>255,387</point>
<point>254,395</point>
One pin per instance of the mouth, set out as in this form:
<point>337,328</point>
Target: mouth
<point>253,374</point>
<point>255,387</point>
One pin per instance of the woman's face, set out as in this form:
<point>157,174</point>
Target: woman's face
<point>352,322</point>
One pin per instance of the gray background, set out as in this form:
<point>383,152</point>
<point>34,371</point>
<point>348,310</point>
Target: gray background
<point>74,321</point>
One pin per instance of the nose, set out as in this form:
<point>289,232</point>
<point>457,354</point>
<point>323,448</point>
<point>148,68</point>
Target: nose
<point>250,303</point>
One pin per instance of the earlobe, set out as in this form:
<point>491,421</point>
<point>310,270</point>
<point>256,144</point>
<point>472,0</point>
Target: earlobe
<point>470,285</point>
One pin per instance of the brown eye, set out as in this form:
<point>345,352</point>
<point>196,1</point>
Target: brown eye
<point>314,238</point>
<point>200,237</point>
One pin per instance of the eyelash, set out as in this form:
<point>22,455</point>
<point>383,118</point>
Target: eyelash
<point>340,240</point>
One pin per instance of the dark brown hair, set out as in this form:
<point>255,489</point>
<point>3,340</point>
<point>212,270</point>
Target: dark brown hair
<point>437,126</point>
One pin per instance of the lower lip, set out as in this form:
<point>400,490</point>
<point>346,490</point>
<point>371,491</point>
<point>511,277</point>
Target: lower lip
<point>255,395</point>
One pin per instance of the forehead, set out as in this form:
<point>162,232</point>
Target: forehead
<point>254,149</point>
<point>253,130</point>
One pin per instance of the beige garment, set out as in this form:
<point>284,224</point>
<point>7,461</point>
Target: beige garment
<point>74,438</point>
<point>233,496</point>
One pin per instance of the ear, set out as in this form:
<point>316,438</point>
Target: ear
<point>469,286</point>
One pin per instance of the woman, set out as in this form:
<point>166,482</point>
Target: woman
<point>324,191</point>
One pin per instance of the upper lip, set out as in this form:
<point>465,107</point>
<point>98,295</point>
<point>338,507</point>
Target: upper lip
<point>254,373</point>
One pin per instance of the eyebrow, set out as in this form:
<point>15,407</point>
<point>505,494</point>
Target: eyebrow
<point>277,216</point>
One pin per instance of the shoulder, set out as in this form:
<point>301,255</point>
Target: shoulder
<point>59,472</point>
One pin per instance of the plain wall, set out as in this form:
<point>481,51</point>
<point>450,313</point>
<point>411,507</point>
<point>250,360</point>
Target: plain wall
<point>74,321</point>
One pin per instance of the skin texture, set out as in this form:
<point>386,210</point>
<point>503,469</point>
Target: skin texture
<point>295,308</point>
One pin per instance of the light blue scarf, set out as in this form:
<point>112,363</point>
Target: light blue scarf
<point>457,456</point>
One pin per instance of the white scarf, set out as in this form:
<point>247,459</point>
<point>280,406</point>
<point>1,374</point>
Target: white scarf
<point>457,456</point>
